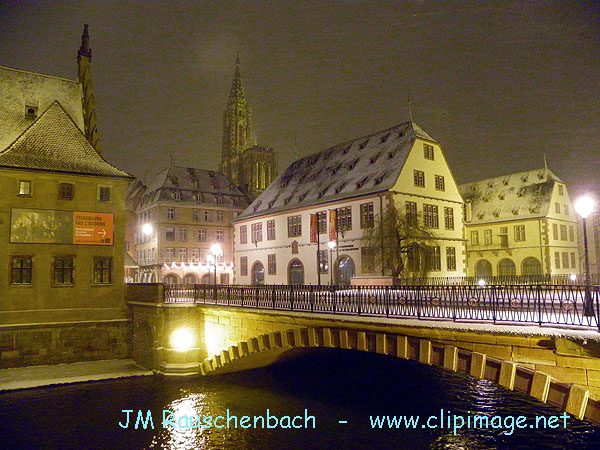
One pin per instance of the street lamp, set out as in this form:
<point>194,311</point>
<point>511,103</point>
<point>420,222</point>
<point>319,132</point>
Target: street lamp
<point>147,229</point>
<point>331,245</point>
<point>216,250</point>
<point>584,207</point>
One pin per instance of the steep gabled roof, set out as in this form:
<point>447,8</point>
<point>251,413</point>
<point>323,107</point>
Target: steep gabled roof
<point>522,195</point>
<point>54,143</point>
<point>364,165</point>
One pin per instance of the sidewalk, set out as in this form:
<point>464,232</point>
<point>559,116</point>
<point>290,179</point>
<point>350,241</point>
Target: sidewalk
<point>36,376</point>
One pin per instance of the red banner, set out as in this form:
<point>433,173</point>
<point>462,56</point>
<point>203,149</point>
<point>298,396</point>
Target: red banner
<point>314,226</point>
<point>333,224</point>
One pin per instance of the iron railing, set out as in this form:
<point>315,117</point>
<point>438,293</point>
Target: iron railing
<point>557,280</point>
<point>539,304</point>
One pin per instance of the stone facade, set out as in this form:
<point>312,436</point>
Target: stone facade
<point>247,165</point>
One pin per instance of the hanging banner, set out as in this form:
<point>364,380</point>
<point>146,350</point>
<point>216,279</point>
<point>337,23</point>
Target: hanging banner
<point>333,224</point>
<point>314,225</point>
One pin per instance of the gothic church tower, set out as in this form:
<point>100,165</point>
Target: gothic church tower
<point>246,164</point>
<point>84,75</point>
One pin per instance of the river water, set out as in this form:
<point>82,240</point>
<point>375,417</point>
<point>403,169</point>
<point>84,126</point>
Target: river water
<point>331,385</point>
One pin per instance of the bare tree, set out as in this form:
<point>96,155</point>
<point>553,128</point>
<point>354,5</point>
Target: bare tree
<point>400,243</point>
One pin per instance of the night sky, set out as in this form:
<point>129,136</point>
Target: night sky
<point>498,84</point>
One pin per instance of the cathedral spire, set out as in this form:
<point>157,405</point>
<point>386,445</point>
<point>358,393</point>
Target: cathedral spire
<point>84,75</point>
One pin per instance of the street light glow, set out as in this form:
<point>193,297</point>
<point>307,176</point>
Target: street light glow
<point>182,339</point>
<point>573,277</point>
<point>585,206</point>
<point>481,282</point>
<point>216,250</point>
<point>147,229</point>
<point>331,244</point>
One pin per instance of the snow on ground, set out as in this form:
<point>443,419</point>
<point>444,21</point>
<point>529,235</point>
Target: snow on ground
<point>35,376</point>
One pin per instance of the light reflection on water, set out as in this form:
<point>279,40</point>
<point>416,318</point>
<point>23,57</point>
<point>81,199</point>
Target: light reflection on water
<point>332,385</point>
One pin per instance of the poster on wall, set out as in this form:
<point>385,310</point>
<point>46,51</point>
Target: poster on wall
<point>48,226</point>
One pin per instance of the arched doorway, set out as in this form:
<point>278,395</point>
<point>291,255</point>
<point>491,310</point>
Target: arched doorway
<point>296,272</point>
<point>344,270</point>
<point>531,266</point>
<point>506,268</point>
<point>190,278</point>
<point>258,273</point>
<point>171,279</point>
<point>483,268</point>
<point>207,278</point>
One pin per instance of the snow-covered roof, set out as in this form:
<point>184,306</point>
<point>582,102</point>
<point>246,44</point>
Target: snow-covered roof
<point>522,195</point>
<point>54,143</point>
<point>191,185</point>
<point>364,165</point>
<point>21,89</point>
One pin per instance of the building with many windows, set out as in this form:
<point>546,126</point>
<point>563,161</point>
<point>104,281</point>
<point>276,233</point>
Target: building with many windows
<point>62,225</point>
<point>520,224</point>
<point>180,214</point>
<point>350,183</point>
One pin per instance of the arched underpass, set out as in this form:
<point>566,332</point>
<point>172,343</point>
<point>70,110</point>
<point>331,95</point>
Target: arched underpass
<point>233,339</point>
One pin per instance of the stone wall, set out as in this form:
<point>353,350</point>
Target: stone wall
<point>40,344</point>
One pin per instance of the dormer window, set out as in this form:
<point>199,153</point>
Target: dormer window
<point>505,181</point>
<point>480,215</point>
<point>362,182</point>
<point>524,178</point>
<point>346,150</point>
<point>497,212</point>
<point>428,151</point>
<point>340,188</point>
<point>384,138</point>
<point>353,164</point>
<point>490,184</point>
<point>30,112</point>
<point>363,144</point>
<point>236,201</point>
<point>197,197</point>
<point>515,210</point>
<point>374,158</point>
<point>176,195</point>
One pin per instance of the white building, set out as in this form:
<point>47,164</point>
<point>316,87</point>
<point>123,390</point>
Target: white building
<point>401,165</point>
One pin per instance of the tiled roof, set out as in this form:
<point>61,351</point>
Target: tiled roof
<point>198,186</point>
<point>21,88</point>
<point>521,195</point>
<point>361,166</point>
<point>54,143</point>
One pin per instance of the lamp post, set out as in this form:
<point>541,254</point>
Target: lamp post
<point>331,245</point>
<point>216,250</point>
<point>584,207</point>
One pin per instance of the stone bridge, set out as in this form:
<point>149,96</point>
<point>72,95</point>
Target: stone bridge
<point>560,367</point>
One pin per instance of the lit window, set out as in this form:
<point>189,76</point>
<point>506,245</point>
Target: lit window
<point>294,226</point>
<point>25,188</point>
<point>170,213</point>
<point>220,235</point>
<point>176,195</point>
<point>323,261</point>
<point>519,233</point>
<point>201,235</point>
<point>344,218</point>
<point>434,261</point>
<point>256,229</point>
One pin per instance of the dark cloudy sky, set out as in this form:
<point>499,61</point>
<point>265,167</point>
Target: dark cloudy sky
<point>498,84</point>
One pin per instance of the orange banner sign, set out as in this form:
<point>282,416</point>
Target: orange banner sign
<point>333,224</point>
<point>314,225</point>
<point>93,228</point>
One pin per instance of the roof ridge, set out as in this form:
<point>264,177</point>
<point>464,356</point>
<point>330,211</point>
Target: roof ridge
<point>40,74</point>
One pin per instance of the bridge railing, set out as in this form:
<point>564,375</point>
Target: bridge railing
<point>556,279</point>
<point>540,304</point>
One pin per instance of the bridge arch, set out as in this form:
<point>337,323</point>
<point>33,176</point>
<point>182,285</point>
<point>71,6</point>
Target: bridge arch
<point>508,374</point>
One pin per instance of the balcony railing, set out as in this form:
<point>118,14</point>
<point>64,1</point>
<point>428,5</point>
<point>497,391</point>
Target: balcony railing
<point>566,305</point>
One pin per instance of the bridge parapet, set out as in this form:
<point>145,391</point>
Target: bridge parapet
<point>552,367</point>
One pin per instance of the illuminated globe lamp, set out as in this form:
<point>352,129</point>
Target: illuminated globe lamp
<point>147,229</point>
<point>584,206</point>
<point>182,339</point>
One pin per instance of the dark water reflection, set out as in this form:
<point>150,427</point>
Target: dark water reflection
<point>333,385</point>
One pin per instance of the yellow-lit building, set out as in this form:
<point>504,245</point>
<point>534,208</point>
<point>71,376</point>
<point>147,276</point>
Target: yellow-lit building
<point>520,224</point>
<point>62,225</point>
